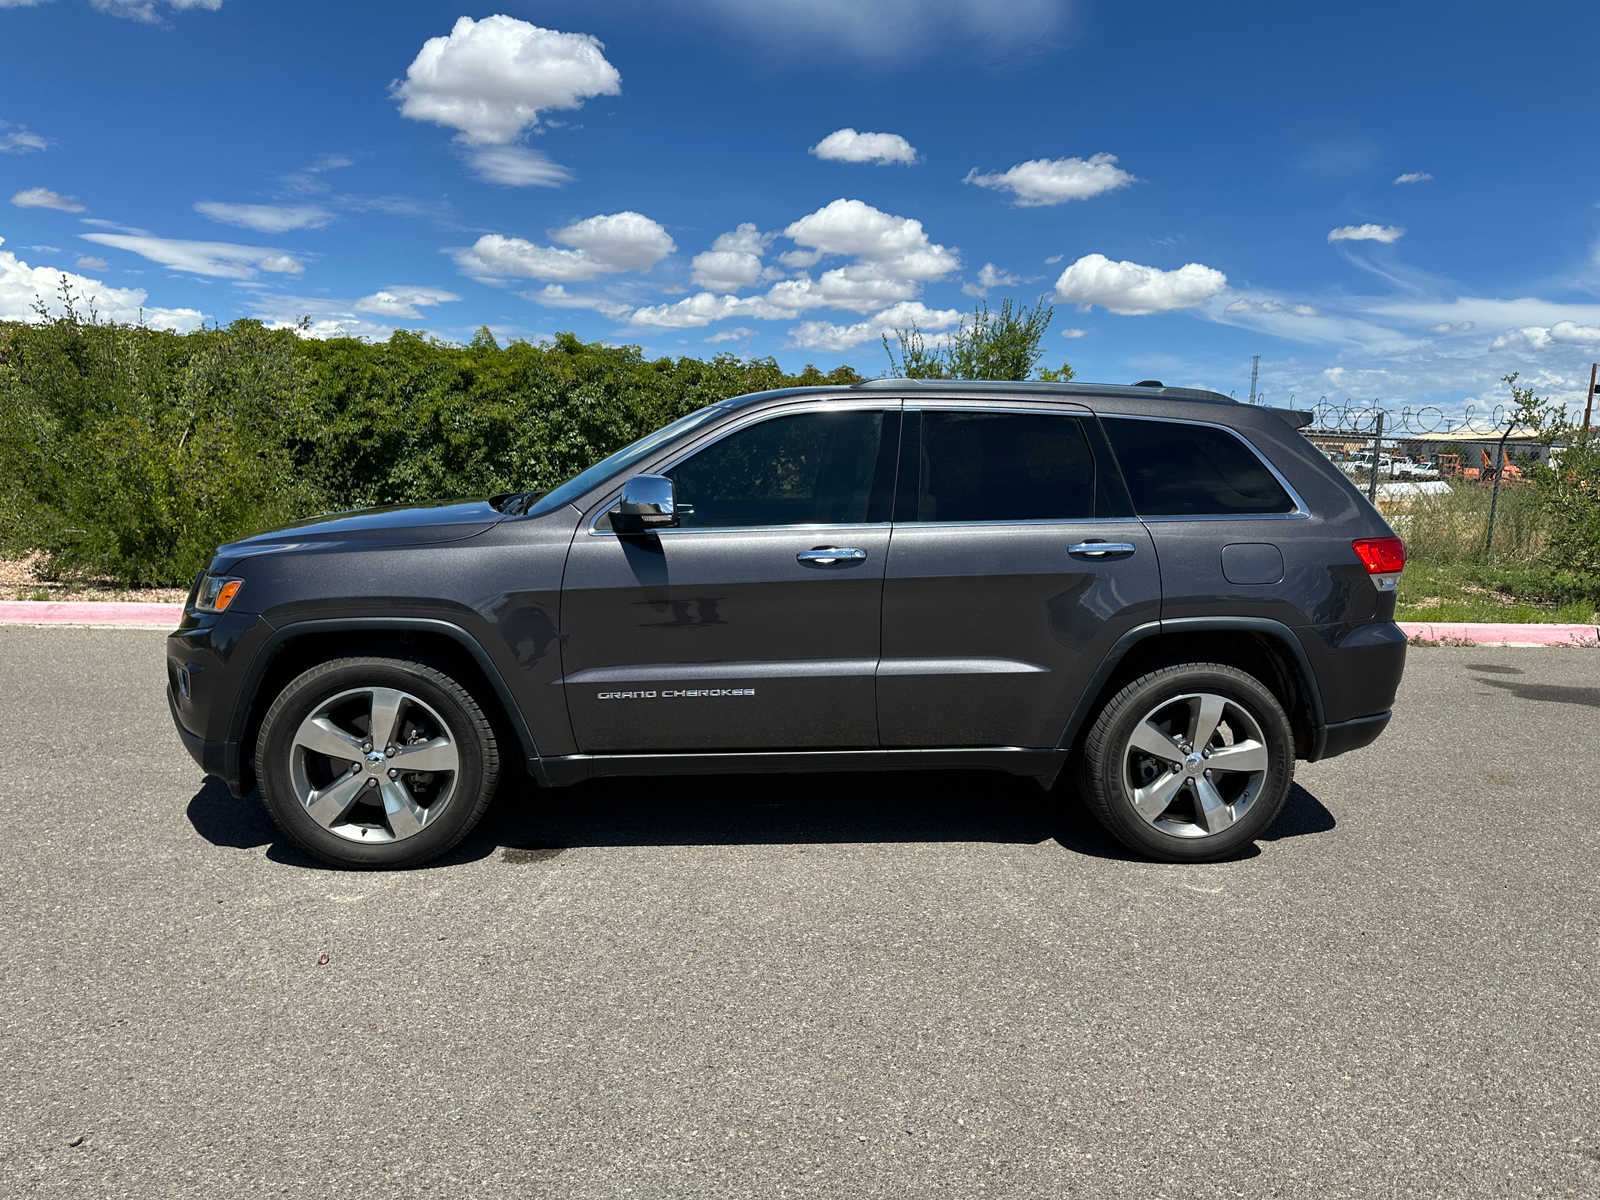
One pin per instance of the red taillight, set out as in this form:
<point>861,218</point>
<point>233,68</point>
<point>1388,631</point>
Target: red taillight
<point>1381,556</point>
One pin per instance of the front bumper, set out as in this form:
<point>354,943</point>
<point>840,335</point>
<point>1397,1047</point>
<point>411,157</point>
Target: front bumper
<point>208,657</point>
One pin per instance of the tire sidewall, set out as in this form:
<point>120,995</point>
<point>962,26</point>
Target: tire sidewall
<point>301,697</point>
<point>1123,716</point>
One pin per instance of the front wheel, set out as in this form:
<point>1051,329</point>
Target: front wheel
<point>376,762</point>
<point>1189,763</point>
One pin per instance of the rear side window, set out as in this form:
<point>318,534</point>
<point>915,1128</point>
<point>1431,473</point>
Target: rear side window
<point>988,466</point>
<point>1179,470</point>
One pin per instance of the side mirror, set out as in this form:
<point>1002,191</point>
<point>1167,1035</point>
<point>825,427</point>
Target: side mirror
<point>647,502</point>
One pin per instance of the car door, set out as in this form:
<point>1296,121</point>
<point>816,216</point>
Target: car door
<point>754,624</point>
<point>1014,566</point>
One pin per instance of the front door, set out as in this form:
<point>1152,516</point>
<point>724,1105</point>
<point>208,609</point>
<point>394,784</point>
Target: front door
<point>1016,563</point>
<point>755,623</point>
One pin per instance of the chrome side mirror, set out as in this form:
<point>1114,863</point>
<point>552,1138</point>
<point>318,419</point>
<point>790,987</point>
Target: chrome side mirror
<point>647,502</point>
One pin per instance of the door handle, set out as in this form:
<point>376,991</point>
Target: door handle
<point>831,556</point>
<point>1094,549</point>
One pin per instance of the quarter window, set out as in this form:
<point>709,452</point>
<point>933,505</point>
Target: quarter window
<point>1176,469</point>
<point>991,466</point>
<point>812,468</point>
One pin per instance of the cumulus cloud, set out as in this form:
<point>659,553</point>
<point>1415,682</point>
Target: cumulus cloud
<point>1268,307</point>
<point>846,145</point>
<point>1387,234</point>
<point>1055,180</point>
<point>733,262</point>
<point>403,302</point>
<point>89,262</point>
<point>737,334</point>
<point>824,335</point>
<point>1413,177</point>
<point>517,166</point>
<point>21,286</point>
<point>491,79</point>
<point>19,139</point>
<point>1536,337</point>
<point>600,245</point>
<point>1074,333</point>
<point>554,295</point>
<point>990,276</point>
<point>222,259</point>
<point>693,312</point>
<point>897,246</point>
<point>1131,289</point>
<point>39,197</point>
<point>266,218</point>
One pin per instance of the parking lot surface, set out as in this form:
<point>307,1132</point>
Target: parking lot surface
<point>899,985</point>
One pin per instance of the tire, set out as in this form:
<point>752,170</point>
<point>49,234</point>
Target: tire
<point>1164,796</point>
<point>398,803</point>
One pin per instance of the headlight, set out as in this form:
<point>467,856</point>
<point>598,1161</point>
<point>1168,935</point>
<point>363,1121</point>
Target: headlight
<point>216,593</point>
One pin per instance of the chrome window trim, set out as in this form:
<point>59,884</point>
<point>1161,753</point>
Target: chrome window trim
<point>661,467</point>
<point>1301,511</point>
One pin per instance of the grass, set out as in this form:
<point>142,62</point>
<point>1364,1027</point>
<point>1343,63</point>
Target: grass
<point>1477,591</point>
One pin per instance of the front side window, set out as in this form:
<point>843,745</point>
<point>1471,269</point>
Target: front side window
<point>1175,470</point>
<point>811,468</point>
<point>992,466</point>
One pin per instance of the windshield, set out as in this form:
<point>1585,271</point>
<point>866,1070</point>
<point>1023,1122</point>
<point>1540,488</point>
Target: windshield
<point>620,461</point>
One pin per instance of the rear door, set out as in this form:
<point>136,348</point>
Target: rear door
<point>754,625</point>
<point>1015,564</point>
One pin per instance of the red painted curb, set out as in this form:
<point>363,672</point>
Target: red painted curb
<point>1481,633</point>
<point>113,614</point>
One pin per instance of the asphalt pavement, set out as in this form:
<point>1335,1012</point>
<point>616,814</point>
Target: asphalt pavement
<point>907,985</point>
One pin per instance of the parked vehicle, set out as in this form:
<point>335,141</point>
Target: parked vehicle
<point>1160,594</point>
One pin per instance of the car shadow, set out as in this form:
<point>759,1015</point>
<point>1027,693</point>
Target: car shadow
<point>529,825</point>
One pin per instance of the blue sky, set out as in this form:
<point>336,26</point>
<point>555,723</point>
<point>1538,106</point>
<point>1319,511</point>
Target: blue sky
<point>1387,202</point>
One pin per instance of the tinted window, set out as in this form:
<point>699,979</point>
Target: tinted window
<point>985,466</point>
<point>817,468</point>
<point>1187,470</point>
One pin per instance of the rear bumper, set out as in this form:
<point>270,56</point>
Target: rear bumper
<point>1344,736</point>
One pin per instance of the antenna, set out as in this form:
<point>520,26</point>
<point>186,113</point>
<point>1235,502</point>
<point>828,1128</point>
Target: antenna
<point>1255,369</point>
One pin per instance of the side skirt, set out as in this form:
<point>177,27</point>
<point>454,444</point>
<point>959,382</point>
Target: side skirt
<point>1043,765</point>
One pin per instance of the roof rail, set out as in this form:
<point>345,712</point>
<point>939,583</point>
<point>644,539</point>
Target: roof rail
<point>1150,383</point>
<point>1037,387</point>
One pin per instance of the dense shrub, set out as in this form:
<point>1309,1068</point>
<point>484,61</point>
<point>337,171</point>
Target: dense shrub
<point>132,452</point>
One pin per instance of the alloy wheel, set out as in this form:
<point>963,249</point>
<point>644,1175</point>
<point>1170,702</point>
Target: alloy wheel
<point>1195,764</point>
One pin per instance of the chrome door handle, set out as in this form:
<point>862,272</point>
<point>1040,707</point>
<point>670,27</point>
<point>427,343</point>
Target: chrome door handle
<point>1100,549</point>
<point>831,556</point>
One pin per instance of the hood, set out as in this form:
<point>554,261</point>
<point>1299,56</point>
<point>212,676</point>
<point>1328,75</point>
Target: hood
<point>396,526</point>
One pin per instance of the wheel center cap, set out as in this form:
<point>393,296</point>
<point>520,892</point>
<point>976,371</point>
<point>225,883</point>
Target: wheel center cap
<point>375,761</point>
<point>1193,763</point>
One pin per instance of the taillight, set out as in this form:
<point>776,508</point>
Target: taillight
<point>1384,558</point>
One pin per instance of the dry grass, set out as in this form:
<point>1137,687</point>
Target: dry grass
<point>20,580</point>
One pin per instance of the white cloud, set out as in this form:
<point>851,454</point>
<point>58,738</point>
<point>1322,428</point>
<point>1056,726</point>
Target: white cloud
<point>846,145</point>
<point>733,262</point>
<point>1074,333</point>
<point>860,287</point>
<point>1054,259</point>
<point>267,218</point>
<point>823,335</point>
<point>799,260</point>
<point>886,29</point>
<point>89,262</point>
<point>554,295</point>
<point>1269,306</point>
<point>1413,177</point>
<point>1130,289</point>
<point>1452,327</point>
<point>1535,337</point>
<point>1387,234</point>
<point>39,197</point>
<point>19,139</point>
<point>990,276</point>
<point>491,79</point>
<point>600,245</point>
<point>517,166</point>
<point>223,259</point>
<point>897,245</point>
<point>22,3</point>
<point>148,11</point>
<point>21,286</point>
<point>1056,180</point>
<point>404,302</point>
<point>737,334</point>
<point>703,308</point>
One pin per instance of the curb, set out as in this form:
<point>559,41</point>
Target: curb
<point>100,614</point>
<point>1474,633</point>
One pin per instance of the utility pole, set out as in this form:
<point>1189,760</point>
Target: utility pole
<point>1588,403</point>
<point>1255,369</point>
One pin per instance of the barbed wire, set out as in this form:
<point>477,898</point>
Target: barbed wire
<point>1354,417</point>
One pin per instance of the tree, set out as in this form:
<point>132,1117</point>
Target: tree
<point>988,345</point>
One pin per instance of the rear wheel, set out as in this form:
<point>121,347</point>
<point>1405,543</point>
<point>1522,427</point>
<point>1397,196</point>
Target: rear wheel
<point>374,762</point>
<point>1190,762</point>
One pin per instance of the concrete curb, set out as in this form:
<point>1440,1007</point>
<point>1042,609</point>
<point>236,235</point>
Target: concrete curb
<point>1475,633</point>
<point>104,614</point>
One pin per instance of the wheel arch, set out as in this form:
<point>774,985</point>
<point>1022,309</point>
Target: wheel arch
<point>296,647</point>
<point>1261,647</point>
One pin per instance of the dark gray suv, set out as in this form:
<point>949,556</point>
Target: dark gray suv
<point>1162,594</point>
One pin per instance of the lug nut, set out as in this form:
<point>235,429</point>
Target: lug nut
<point>1176,767</point>
<point>372,783</point>
<point>355,768</point>
<point>366,747</point>
<point>1208,774</point>
<point>393,773</point>
<point>389,752</point>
